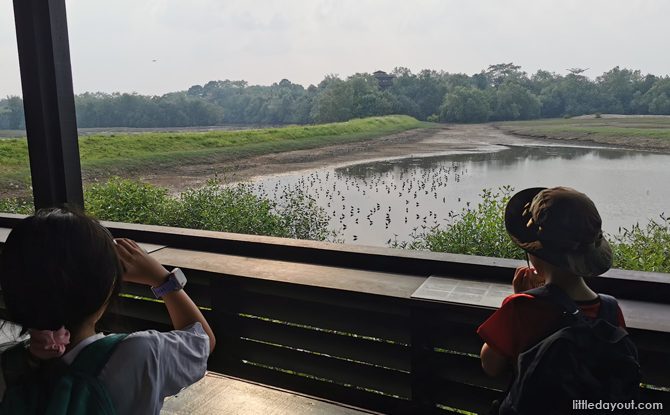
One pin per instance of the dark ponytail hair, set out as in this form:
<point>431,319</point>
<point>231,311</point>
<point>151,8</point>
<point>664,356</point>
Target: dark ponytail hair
<point>57,268</point>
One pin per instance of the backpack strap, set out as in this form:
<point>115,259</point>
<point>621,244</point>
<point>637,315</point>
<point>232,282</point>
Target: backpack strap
<point>556,295</point>
<point>93,358</point>
<point>609,309</point>
<point>15,363</point>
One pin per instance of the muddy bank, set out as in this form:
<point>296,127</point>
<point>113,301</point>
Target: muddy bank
<point>571,138</point>
<point>476,137</point>
<point>419,142</point>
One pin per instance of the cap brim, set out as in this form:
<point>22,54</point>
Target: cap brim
<point>515,223</point>
<point>592,262</point>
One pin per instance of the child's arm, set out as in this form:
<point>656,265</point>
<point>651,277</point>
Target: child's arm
<point>142,268</point>
<point>493,363</point>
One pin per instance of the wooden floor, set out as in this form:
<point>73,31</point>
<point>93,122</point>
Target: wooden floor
<point>217,394</point>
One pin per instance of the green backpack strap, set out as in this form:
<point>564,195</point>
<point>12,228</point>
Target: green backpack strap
<point>58,389</point>
<point>93,358</point>
<point>81,382</point>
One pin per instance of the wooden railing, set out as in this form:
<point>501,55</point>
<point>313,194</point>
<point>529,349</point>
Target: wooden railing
<point>339,322</point>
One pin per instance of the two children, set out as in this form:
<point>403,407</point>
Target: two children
<point>59,271</point>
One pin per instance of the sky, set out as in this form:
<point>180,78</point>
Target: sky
<point>158,46</point>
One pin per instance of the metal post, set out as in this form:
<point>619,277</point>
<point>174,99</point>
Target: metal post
<point>48,100</point>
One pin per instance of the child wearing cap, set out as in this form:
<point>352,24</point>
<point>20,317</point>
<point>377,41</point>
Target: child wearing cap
<point>560,231</point>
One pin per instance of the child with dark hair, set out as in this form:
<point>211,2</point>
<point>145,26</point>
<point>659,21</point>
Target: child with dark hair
<point>59,270</point>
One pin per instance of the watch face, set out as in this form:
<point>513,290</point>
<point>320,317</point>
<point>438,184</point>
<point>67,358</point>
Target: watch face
<point>179,277</point>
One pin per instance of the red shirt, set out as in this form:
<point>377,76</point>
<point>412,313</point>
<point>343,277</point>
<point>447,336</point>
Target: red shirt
<point>522,321</point>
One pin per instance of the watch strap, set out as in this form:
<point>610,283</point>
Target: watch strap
<point>170,285</point>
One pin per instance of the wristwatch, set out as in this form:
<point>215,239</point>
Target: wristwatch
<point>176,280</point>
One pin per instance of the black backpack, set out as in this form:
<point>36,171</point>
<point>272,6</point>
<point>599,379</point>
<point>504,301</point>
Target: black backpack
<point>586,359</point>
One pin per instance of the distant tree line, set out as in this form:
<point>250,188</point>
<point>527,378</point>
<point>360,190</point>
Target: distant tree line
<point>501,92</point>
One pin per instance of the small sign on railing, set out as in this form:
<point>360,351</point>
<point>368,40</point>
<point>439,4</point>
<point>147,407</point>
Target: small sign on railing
<point>452,290</point>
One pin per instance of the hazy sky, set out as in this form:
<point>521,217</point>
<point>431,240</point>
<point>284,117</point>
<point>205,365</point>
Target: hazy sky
<point>113,43</point>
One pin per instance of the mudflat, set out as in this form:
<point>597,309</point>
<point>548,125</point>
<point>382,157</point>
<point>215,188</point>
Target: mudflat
<point>417,142</point>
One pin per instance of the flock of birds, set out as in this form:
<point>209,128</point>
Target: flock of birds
<point>375,203</point>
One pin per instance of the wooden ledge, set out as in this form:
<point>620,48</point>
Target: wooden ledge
<point>218,394</point>
<point>339,278</point>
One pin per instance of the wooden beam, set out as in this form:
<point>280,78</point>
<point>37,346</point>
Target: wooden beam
<point>48,100</point>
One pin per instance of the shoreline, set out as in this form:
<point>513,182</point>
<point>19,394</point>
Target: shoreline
<point>422,142</point>
<point>645,144</point>
<point>419,142</point>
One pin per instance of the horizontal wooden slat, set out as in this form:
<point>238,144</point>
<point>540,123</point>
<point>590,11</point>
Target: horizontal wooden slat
<point>437,313</point>
<point>650,340</point>
<point>454,337</point>
<point>362,302</point>
<point>151,311</point>
<point>464,369</point>
<point>339,371</point>
<point>200,294</point>
<point>372,352</point>
<point>646,315</point>
<point>114,323</point>
<point>314,314</point>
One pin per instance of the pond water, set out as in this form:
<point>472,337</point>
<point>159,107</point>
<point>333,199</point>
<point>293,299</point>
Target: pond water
<point>374,202</point>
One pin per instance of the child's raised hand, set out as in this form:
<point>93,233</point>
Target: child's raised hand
<point>139,266</point>
<point>525,279</point>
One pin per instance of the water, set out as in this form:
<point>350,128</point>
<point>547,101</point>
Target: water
<point>373,203</point>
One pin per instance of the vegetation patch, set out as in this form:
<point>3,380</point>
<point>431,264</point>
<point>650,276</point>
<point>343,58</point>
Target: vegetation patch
<point>212,207</point>
<point>121,152</point>
<point>480,230</point>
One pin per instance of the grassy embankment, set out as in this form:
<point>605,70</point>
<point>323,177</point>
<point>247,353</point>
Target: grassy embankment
<point>630,131</point>
<point>126,153</point>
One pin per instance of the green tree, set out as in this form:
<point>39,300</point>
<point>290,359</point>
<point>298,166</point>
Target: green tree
<point>465,104</point>
<point>368,99</point>
<point>334,101</point>
<point>616,89</point>
<point>14,118</point>
<point>501,73</point>
<point>426,90</point>
<point>514,102</point>
<point>657,99</point>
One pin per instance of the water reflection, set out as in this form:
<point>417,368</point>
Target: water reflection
<point>375,202</point>
<point>508,156</point>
